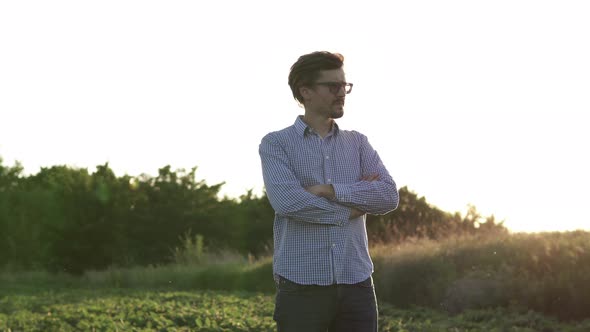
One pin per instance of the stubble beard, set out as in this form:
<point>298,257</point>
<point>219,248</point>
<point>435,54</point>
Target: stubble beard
<point>337,110</point>
<point>337,114</point>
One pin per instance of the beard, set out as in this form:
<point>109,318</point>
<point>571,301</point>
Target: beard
<point>337,113</point>
<point>337,110</point>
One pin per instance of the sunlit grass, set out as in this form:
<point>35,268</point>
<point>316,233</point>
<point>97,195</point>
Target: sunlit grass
<point>547,273</point>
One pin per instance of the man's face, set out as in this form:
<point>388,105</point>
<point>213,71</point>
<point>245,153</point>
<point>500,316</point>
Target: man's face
<point>320,100</point>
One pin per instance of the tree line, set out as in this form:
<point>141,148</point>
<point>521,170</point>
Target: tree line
<point>69,219</point>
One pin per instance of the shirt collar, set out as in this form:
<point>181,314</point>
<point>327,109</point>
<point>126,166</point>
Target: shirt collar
<point>303,129</point>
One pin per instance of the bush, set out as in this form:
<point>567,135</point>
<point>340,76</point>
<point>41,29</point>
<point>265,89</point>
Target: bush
<point>548,273</point>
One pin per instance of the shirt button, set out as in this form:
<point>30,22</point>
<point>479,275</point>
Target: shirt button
<point>327,157</point>
<point>329,180</point>
<point>333,245</point>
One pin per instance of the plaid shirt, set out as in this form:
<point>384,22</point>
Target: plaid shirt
<point>315,243</point>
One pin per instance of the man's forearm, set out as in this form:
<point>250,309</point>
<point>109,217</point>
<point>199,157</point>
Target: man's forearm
<point>327,191</point>
<point>322,190</point>
<point>374,198</point>
<point>369,194</point>
<point>285,193</point>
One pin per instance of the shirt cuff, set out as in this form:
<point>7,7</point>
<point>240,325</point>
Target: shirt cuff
<point>343,216</point>
<point>339,217</point>
<point>342,192</point>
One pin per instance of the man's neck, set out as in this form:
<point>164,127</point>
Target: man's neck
<point>320,125</point>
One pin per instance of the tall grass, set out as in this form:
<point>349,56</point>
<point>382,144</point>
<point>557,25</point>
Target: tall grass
<point>194,267</point>
<point>546,272</point>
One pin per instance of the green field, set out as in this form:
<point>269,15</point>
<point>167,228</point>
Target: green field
<point>28,309</point>
<point>518,282</point>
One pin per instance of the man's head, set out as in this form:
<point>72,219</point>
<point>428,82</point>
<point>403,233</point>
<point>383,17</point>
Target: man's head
<point>306,71</point>
<point>317,81</point>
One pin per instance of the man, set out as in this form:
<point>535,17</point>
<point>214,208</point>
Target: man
<point>321,181</point>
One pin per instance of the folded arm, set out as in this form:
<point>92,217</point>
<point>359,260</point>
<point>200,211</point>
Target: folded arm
<point>375,192</point>
<point>288,197</point>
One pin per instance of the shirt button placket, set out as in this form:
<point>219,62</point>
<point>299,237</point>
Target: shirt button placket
<point>328,175</point>
<point>327,168</point>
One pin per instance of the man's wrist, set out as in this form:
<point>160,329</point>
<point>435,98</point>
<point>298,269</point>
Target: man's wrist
<point>329,192</point>
<point>355,213</point>
<point>322,190</point>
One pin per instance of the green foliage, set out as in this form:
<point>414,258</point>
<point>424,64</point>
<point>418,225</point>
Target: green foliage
<point>103,227</point>
<point>214,272</point>
<point>191,252</point>
<point>415,218</point>
<point>67,219</point>
<point>9,175</point>
<point>548,273</point>
<point>142,310</point>
<point>83,310</point>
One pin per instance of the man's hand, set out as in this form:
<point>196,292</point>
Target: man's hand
<point>355,213</point>
<point>370,178</point>
<point>327,191</point>
<point>322,190</point>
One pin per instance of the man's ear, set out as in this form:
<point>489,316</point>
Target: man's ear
<point>305,92</point>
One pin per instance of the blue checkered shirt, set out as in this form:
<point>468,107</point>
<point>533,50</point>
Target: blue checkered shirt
<point>315,242</point>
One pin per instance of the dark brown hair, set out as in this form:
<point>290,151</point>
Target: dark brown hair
<point>307,69</point>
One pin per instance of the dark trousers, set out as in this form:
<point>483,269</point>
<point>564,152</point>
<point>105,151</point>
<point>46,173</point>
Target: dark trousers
<point>335,308</point>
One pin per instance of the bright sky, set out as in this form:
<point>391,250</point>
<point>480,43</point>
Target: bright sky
<point>477,102</point>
